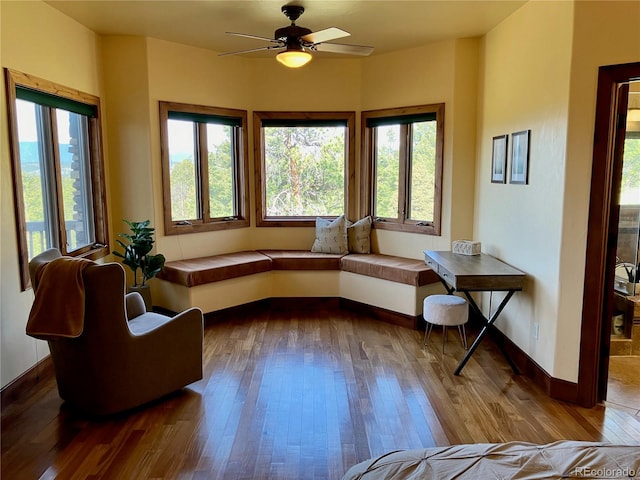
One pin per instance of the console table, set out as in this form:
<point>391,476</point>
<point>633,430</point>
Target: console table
<point>476,273</point>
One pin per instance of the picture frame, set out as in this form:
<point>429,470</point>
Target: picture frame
<point>520,157</point>
<point>499,159</point>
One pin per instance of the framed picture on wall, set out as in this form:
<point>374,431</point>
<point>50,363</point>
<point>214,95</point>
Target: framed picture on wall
<point>520,157</point>
<point>499,159</point>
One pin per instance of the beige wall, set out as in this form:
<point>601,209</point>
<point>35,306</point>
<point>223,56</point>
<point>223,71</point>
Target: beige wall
<point>524,84</point>
<point>28,31</point>
<point>126,103</point>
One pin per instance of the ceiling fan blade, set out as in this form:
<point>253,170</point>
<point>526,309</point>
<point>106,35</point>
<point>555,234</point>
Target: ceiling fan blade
<point>342,48</point>
<point>325,35</point>
<point>270,47</point>
<point>256,37</point>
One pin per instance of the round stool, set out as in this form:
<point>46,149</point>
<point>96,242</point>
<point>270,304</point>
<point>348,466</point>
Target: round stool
<point>446,310</point>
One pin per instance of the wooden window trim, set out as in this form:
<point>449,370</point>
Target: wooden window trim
<point>101,247</point>
<point>206,224</point>
<point>350,170</point>
<point>367,170</point>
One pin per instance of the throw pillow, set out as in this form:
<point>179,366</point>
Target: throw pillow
<point>359,235</point>
<point>331,236</point>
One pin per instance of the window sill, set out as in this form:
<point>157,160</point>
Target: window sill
<point>93,252</point>
<point>291,221</point>
<point>407,228</point>
<point>175,229</point>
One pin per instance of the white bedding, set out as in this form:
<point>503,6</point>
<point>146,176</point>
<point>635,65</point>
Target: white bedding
<point>514,460</point>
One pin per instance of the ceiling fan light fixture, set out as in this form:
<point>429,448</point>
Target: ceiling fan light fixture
<point>294,58</point>
<point>296,41</point>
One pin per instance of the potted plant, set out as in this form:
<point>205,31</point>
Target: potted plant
<point>137,256</point>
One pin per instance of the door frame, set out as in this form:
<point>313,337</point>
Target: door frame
<point>597,303</point>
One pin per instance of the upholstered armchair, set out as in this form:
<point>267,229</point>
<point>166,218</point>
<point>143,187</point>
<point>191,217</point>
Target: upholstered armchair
<point>123,356</point>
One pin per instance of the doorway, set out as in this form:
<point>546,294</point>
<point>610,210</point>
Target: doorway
<point>623,380</point>
<point>604,214</point>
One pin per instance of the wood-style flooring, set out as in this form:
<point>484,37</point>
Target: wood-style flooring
<point>623,389</point>
<point>299,393</point>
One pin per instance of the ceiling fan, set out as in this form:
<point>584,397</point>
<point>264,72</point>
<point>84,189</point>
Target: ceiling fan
<point>295,42</point>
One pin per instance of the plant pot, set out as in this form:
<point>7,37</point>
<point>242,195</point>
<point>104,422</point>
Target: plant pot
<point>145,291</point>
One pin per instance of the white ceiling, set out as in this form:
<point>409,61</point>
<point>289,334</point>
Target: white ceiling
<point>386,25</point>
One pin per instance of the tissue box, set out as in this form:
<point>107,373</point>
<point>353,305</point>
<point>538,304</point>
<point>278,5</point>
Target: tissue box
<point>466,247</point>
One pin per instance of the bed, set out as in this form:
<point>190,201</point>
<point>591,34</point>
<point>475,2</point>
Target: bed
<point>513,460</point>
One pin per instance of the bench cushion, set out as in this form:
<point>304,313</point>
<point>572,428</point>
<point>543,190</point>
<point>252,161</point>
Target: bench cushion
<point>387,267</point>
<point>302,260</point>
<point>198,271</point>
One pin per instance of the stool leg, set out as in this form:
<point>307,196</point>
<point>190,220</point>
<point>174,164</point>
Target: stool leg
<point>464,330</point>
<point>463,336</point>
<point>427,332</point>
<point>444,336</point>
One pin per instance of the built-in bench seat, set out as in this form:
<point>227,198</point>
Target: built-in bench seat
<point>302,260</point>
<point>388,267</point>
<point>199,271</point>
<point>217,282</point>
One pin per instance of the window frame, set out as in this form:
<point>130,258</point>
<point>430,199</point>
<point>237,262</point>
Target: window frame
<point>259,117</point>
<point>100,248</point>
<point>241,174</point>
<point>368,170</point>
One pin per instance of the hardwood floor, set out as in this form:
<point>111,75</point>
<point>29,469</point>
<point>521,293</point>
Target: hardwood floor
<point>299,393</point>
<point>624,383</point>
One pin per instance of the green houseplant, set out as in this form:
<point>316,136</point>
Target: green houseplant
<point>137,256</point>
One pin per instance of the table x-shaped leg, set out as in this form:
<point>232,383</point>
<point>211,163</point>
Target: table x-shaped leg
<point>485,329</point>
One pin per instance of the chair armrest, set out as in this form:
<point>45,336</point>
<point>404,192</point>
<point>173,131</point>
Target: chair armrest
<point>135,305</point>
<point>168,341</point>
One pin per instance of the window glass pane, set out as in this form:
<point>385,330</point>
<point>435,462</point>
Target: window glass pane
<point>304,170</point>
<point>404,159</point>
<point>387,171</point>
<point>203,162</point>
<point>34,185</point>
<point>221,171</point>
<point>630,186</point>
<point>75,170</point>
<point>183,177</point>
<point>60,192</point>
<point>423,171</point>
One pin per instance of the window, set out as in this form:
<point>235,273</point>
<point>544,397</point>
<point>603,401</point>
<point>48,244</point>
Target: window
<point>204,168</point>
<point>306,166</point>
<point>402,168</point>
<point>58,175</point>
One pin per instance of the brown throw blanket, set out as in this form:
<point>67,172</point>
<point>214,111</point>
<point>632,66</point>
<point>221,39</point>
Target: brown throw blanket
<point>58,309</point>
